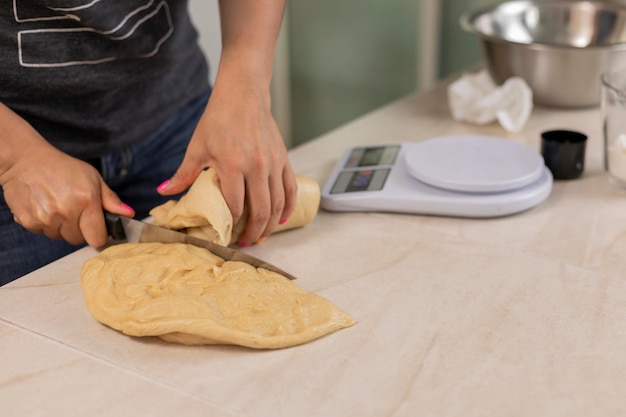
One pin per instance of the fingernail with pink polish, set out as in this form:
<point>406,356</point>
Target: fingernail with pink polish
<point>283,221</point>
<point>244,244</point>
<point>163,185</point>
<point>127,208</point>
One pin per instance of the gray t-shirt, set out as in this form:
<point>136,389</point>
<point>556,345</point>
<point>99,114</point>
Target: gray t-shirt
<point>96,75</point>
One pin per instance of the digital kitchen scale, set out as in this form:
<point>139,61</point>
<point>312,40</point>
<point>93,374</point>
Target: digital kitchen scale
<point>461,176</point>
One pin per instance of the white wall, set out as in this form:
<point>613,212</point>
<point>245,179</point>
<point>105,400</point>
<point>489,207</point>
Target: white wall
<point>205,15</point>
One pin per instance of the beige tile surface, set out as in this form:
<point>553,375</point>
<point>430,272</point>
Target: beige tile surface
<point>41,377</point>
<point>516,316</point>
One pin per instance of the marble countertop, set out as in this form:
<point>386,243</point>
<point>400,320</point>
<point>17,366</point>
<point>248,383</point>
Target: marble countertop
<point>516,316</point>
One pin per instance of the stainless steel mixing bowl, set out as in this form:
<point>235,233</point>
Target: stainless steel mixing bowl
<point>560,47</point>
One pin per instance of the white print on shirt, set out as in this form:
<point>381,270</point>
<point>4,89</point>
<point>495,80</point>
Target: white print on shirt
<point>128,29</point>
<point>44,12</point>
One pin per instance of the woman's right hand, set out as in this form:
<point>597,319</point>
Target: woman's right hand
<point>51,192</point>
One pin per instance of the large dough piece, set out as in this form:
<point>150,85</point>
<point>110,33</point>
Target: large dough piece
<point>203,212</point>
<point>185,294</point>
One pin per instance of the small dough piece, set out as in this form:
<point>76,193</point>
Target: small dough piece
<point>185,294</point>
<point>203,212</point>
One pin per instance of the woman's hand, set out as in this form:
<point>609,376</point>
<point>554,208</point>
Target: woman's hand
<point>239,138</point>
<point>51,192</point>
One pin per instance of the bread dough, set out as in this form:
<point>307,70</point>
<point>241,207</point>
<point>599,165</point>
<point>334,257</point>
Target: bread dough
<point>185,294</point>
<point>203,212</point>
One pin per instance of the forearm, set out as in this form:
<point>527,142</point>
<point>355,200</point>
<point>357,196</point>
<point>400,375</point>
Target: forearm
<point>249,33</point>
<point>17,138</point>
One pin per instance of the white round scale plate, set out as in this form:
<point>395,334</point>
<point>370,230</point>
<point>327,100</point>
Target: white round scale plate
<point>474,163</point>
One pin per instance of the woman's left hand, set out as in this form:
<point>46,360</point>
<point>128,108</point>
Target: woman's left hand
<point>239,138</point>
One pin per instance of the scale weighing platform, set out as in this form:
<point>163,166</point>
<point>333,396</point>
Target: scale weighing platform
<point>460,176</point>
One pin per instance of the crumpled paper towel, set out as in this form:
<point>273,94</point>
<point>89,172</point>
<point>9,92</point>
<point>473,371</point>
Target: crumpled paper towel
<point>475,98</point>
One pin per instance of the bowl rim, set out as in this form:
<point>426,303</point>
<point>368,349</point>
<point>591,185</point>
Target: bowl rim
<point>467,18</point>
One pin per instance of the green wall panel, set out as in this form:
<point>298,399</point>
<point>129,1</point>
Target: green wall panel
<point>347,58</point>
<point>458,48</point>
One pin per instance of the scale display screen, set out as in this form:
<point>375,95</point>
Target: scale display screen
<point>375,156</point>
<point>365,180</point>
<point>353,178</point>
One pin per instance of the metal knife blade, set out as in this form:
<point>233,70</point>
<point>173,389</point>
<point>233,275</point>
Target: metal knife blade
<point>135,231</point>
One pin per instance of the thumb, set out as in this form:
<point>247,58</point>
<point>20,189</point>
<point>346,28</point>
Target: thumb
<point>112,203</point>
<point>182,178</point>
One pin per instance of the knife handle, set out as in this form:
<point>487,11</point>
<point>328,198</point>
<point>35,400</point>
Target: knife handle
<point>115,229</point>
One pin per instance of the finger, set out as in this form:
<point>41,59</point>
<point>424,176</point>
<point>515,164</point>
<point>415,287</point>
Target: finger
<point>259,210</point>
<point>30,219</point>
<point>92,226</point>
<point>184,176</point>
<point>234,190</point>
<point>52,229</point>
<point>277,203</point>
<point>291,193</point>
<point>91,219</point>
<point>27,223</point>
<point>71,233</point>
<point>110,202</point>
